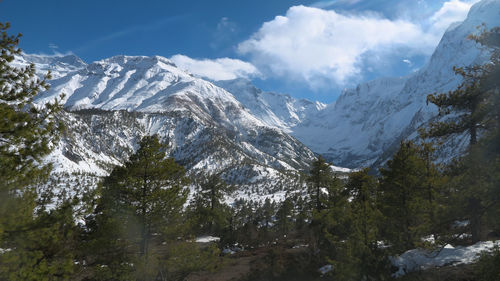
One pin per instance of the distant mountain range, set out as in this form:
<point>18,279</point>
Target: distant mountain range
<point>250,136</point>
<point>365,125</point>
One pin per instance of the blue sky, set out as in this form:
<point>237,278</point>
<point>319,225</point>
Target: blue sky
<point>309,49</point>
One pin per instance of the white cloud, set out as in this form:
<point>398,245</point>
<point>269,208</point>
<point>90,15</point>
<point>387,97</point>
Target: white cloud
<point>311,42</point>
<point>218,69</point>
<point>316,45</point>
<point>451,11</point>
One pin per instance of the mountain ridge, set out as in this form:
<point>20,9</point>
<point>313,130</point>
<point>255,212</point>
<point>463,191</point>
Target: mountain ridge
<point>359,129</point>
<point>111,104</point>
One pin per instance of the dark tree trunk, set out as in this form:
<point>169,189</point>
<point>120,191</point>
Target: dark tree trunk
<point>475,220</point>
<point>473,135</point>
<point>318,202</point>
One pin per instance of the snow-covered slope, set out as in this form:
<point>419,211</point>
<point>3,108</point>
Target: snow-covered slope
<point>420,259</point>
<point>110,104</point>
<point>58,66</point>
<point>368,122</point>
<point>353,130</point>
<point>96,140</point>
<point>277,110</point>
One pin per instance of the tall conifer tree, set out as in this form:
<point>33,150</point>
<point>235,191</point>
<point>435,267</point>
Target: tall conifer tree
<point>34,247</point>
<point>320,177</point>
<point>139,209</point>
<point>474,108</point>
<point>402,200</point>
<point>366,255</point>
<point>208,210</point>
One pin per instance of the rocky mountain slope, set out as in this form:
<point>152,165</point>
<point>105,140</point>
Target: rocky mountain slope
<point>111,104</point>
<point>276,110</point>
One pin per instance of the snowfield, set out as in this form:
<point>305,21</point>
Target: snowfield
<point>418,259</point>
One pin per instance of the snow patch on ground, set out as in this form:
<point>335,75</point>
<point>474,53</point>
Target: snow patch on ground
<point>207,239</point>
<point>325,269</point>
<point>341,169</point>
<point>419,259</point>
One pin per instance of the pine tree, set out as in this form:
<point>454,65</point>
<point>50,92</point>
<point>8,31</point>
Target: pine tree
<point>465,107</point>
<point>474,107</point>
<point>363,189</point>
<point>490,82</point>
<point>402,198</point>
<point>471,195</point>
<point>328,201</point>
<point>471,107</point>
<point>209,213</point>
<point>26,130</point>
<point>139,208</point>
<point>303,215</point>
<point>241,214</point>
<point>488,151</point>
<point>37,244</point>
<point>330,228</point>
<point>365,254</point>
<point>320,177</point>
<point>434,196</point>
<point>268,210</point>
<point>45,249</point>
<point>248,233</point>
<point>265,217</point>
<point>284,217</point>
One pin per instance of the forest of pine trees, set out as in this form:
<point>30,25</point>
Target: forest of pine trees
<point>139,225</point>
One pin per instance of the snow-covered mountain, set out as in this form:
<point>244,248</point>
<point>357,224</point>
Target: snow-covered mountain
<point>277,110</point>
<point>368,122</point>
<point>150,85</point>
<point>234,128</point>
<point>110,104</point>
<point>356,128</point>
<point>365,125</point>
<point>58,65</point>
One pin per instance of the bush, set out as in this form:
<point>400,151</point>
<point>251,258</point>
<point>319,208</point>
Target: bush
<point>488,266</point>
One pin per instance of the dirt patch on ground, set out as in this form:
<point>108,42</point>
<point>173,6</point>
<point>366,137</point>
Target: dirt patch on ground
<point>266,263</point>
<point>234,267</point>
<point>447,273</point>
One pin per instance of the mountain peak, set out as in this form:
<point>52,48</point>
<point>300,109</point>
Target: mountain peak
<point>69,59</point>
<point>138,60</point>
<point>485,11</point>
<point>58,65</point>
